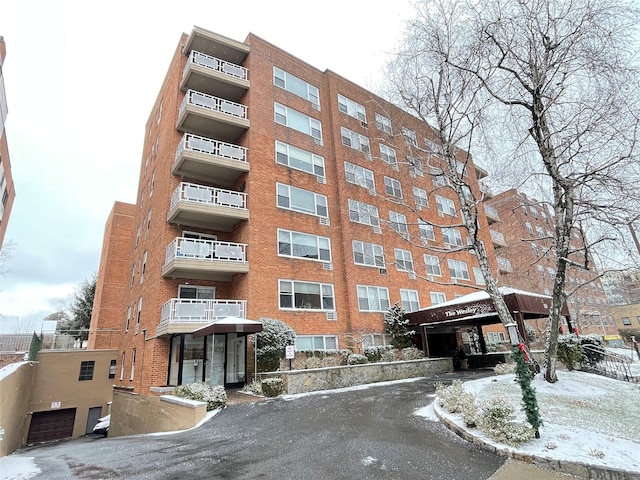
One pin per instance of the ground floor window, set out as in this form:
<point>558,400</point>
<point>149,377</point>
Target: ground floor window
<point>218,359</point>
<point>316,342</point>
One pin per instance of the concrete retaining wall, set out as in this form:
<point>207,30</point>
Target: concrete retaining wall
<point>312,380</point>
<point>16,384</point>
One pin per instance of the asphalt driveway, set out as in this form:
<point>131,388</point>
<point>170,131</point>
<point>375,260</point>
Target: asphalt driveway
<point>369,433</point>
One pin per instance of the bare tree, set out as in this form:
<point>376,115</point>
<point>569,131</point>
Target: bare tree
<point>425,83</point>
<point>563,75</point>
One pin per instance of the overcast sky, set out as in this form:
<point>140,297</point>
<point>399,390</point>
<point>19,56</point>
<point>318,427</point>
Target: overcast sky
<point>81,78</point>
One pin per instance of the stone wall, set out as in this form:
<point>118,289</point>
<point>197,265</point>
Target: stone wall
<point>312,380</point>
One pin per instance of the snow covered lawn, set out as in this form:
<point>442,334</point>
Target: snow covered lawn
<point>587,418</point>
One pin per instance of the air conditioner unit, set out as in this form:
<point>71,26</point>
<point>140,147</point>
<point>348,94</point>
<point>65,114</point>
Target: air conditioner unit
<point>324,221</point>
<point>383,271</point>
<point>321,180</point>
<point>454,281</point>
<point>377,230</point>
<point>327,266</point>
<point>430,278</point>
<point>396,168</point>
<point>368,156</point>
<point>318,142</point>
<point>372,193</point>
<point>412,276</point>
<point>412,174</point>
<point>425,242</point>
<point>315,106</point>
<point>364,124</point>
<point>332,315</point>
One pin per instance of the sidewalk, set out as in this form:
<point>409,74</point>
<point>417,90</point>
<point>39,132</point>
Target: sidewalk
<point>516,470</point>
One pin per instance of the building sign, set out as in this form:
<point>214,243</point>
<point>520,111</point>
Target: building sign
<point>290,352</point>
<point>469,310</point>
<point>55,405</point>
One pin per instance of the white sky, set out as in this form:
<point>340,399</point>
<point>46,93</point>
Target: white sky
<point>81,78</point>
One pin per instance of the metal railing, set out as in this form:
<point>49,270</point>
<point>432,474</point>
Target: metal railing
<point>504,264</point>
<point>491,212</point>
<point>183,310</point>
<point>599,360</point>
<point>191,192</point>
<point>216,64</point>
<point>497,237</point>
<point>205,250</point>
<point>196,143</point>
<point>216,104</point>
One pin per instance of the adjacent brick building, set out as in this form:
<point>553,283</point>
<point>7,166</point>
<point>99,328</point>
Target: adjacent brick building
<point>7,188</point>
<point>269,188</point>
<point>522,230</point>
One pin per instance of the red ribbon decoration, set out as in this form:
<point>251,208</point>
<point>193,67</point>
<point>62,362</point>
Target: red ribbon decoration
<point>526,357</point>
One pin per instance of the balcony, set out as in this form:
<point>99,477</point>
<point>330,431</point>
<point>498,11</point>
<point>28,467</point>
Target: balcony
<point>207,207</point>
<point>182,315</point>
<point>211,116</point>
<point>204,259</point>
<point>498,239</point>
<point>214,76</point>
<point>209,160</point>
<point>215,45</point>
<point>504,265</point>
<point>491,213</point>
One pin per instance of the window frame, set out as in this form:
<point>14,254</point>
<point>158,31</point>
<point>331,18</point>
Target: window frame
<point>388,154</point>
<point>451,209</point>
<point>355,138</point>
<point>432,265</point>
<point>437,295</point>
<point>318,238</point>
<point>316,197</point>
<point>446,238</point>
<point>352,108</point>
<point>313,93</point>
<point>393,187</point>
<point>371,251</point>
<point>315,125</point>
<point>373,308</point>
<point>381,122</point>
<point>407,302</point>
<point>87,369</point>
<point>400,227</point>
<point>352,171</point>
<point>293,294</point>
<point>314,338</point>
<point>314,161</point>
<point>457,268</point>
<point>360,206</point>
<point>402,263</point>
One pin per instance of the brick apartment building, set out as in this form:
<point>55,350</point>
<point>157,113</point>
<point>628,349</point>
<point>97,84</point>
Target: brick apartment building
<point>269,188</point>
<point>7,189</point>
<point>522,231</point>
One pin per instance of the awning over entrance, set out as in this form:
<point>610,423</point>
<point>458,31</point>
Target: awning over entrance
<point>478,309</point>
<point>229,325</point>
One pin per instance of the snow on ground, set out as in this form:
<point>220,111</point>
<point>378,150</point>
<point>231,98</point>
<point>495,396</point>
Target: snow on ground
<point>15,467</point>
<point>587,418</point>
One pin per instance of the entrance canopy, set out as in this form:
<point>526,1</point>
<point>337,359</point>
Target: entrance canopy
<point>229,325</point>
<point>478,309</point>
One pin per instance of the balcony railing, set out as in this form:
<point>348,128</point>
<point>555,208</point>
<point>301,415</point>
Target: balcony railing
<point>216,64</point>
<point>205,250</point>
<point>196,143</point>
<point>217,197</point>
<point>215,104</point>
<point>498,238</point>
<point>504,265</point>
<point>182,310</point>
<point>491,213</point>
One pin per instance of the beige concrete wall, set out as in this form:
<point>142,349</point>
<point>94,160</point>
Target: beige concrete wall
<point>57,375</point>
<point>15,389</point>
<point>133,414</point>
<point>312,380</point>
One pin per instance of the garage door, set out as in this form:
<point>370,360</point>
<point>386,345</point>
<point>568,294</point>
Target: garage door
<point>52,425</point>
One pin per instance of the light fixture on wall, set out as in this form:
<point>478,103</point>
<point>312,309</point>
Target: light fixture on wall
<point>512,328</point>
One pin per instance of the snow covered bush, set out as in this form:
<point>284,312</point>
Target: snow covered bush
<point>272,387</point>
<point>569,350</point>
<point>412,353</point>
<point>496,418</point>
<point>398,327</point>
<point>454,399</point>
<point>271,343</point>
<point>389,355</point>
<point>590,356</point>
<point>254,387</point>
<point>214,395</point>
<point>356,359</point>
<point>374,353</point>
<point>504,368</point>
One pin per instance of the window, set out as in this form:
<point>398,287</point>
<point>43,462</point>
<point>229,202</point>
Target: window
<point>196,293</point>
<point>415,166</point>
<point>355,140</point>
<point>551,272</point>
<point>461,168</point>
<point>398,223</point>
<point>133,274</point>
<point>458,270</point>
<point>437,297</point>
<point>410,137</point>
<point>534,249</point>
<point>153,182</point>
<point>292,198</point>
<point>477,273</point>
<point>305,295</point>
<point>426,231</point>
<point>359,176</point>
<point>296,86</point>
<point>373,299</point>
<point>86,370</point>
<point>316,342</point>
<point>126,325</point>
<point>388,155</point>
<point>541,272</point>
<point>363,213</point>
<point>383,123</point>
<point>144,267</point>
<point>133,364</point>
<point>369,254</point>
<point>137,236</point>
<point>393,187</point>
<point>540,232</point>
<point>438,177</point>
<point>451,237</point>
<point>148,221</point>
<point>298,121</point>
<point>445,206</point>
<point>433,147</point>
<point>375,340</point>
<point>529,228</point>
<point>433,265</point>
<point>420,198</point>
<point>410,301</point>
<point>352,108</point>
<point>112,369</point>
<point>122,366</point>
<point>524,209</point>
<point>299,159</point>
<point>404,260</point>
<point>534,212</point>
<point>496,337</point>
<point>139,314</point>
<point>303,245</point>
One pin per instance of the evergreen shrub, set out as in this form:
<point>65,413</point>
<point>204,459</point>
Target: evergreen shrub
<point>272,387</point>
<point>215,396</point>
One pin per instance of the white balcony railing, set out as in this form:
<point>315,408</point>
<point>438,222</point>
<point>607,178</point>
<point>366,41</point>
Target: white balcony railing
<point>196,143</point>
<point>497,237</point>
<point>504,265</point>
<point>216,104</point>
<point>491,212</point>
<point>216,64</point>
<point>205,250</point>
<point>183,310</point>
<point>217,197</point>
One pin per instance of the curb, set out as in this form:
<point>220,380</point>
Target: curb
<point>578,469</point>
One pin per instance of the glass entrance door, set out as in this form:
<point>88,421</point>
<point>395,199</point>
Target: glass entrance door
<point>236,359</point>
<point>215,363</point>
